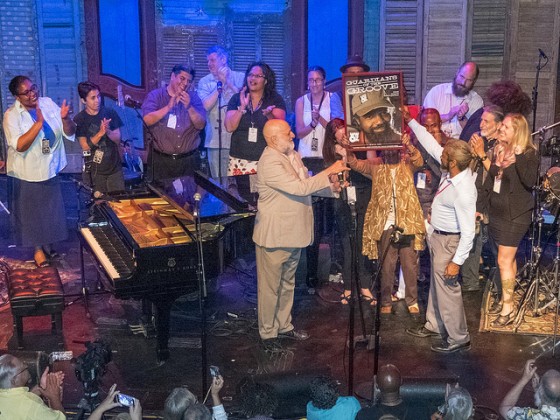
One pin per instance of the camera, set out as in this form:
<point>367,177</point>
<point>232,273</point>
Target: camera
<point>214,371</point>
<point>397,235</point>
<point>551,146</point>
<point>90,366</point>
<point>124,400</point>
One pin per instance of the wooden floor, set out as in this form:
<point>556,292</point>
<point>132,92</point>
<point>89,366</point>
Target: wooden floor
<point>488,370</point>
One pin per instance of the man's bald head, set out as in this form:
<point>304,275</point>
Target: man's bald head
<point>278,135</point>
<point>549,388</point>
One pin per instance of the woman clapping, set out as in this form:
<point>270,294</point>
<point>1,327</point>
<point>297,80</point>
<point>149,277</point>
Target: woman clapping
<point>509,200</point>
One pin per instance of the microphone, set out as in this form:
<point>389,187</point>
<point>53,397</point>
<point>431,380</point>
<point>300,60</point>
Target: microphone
<point>343,193</point>
<point>120,99</point>
<point>219,87</point>
<point>128,100</point>
<point>196,197</point>
<point>542,54</point>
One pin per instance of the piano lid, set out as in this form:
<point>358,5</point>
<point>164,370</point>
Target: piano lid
<point>215,200</point>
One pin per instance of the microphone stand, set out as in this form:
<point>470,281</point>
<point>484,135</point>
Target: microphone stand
<point>355,287</point>
<point>535,93</point>
<point>202,294</point>
<point>220,91</point>
<point>201,277</point>
<point>152,137</point>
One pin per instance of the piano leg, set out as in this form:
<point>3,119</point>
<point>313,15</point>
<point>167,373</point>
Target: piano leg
<point>162,318</point>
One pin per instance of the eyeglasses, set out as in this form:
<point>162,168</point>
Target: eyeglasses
<point>258,76</point>
<point>28,92</point>
<point>26,367</point>
<point>315,81</point>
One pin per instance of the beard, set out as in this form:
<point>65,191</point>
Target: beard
<point>459,90</point>
<point>538,401</point>
<point>386,136</point>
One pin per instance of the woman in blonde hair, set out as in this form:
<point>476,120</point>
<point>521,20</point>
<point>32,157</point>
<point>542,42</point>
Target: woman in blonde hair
<point>512,175</point>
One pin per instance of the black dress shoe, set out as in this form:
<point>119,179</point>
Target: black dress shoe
<point>445,347</point>
<point>294,335</point>
<point>422,332</point>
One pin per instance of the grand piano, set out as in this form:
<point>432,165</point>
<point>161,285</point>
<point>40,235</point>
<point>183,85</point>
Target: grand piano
<point>146,242</point>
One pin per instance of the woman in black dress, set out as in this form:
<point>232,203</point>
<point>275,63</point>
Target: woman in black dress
<point>332,151</point>
<point>511,177</point>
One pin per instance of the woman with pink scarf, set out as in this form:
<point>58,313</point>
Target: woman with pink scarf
<point>511,177</point>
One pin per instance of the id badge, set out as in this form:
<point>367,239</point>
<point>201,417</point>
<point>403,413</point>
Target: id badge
<point>421,181</point>
<point>172,121</point>
<point>45,146</point>
<point>314,144</point>
<point>98,156</point>
<point>253,134</point>
<point>497,185</point>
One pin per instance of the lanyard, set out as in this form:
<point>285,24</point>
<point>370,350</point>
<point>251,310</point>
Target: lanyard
<point>440,190</point>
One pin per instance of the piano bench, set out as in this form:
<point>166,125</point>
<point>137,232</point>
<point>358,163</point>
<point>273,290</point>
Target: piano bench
<point>35,292</point>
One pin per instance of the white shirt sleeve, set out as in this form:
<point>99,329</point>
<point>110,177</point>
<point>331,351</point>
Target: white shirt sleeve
<point>219,413</point>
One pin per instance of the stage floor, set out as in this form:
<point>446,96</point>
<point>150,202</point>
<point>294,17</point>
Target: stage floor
<point>488,370</point>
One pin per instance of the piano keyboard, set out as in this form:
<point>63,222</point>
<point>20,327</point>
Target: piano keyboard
<point>112,253</point>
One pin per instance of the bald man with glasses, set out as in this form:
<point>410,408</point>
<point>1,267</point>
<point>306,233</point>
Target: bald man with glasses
<point>17,402</point>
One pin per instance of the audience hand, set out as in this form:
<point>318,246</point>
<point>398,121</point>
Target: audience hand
<point>223,74</point>
<point>109,402</point>
<point>406,114</point>
<point>477,145</point>
<point>463,109</point>
<point>529,371</point>
<point>104,127</point>
<point>244,98</point>
<point>184,98</point>
<point>268,110</point>
<point>217,385</point>
<point>135,410</point>
<point>64,109</point>
<point>172,102</point>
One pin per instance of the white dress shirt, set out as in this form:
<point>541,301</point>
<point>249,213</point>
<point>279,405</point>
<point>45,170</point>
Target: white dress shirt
<point>441,97</point>
<point>32,165</point>
<point>454,205</point>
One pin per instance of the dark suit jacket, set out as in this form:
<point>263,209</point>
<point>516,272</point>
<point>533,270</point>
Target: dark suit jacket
<point>518,180</point>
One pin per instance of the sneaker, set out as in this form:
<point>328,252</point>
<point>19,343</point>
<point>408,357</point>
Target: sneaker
<point>294,335</point>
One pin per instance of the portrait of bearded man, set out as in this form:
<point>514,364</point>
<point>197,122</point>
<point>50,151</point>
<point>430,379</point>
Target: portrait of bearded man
<point>373,115</point>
